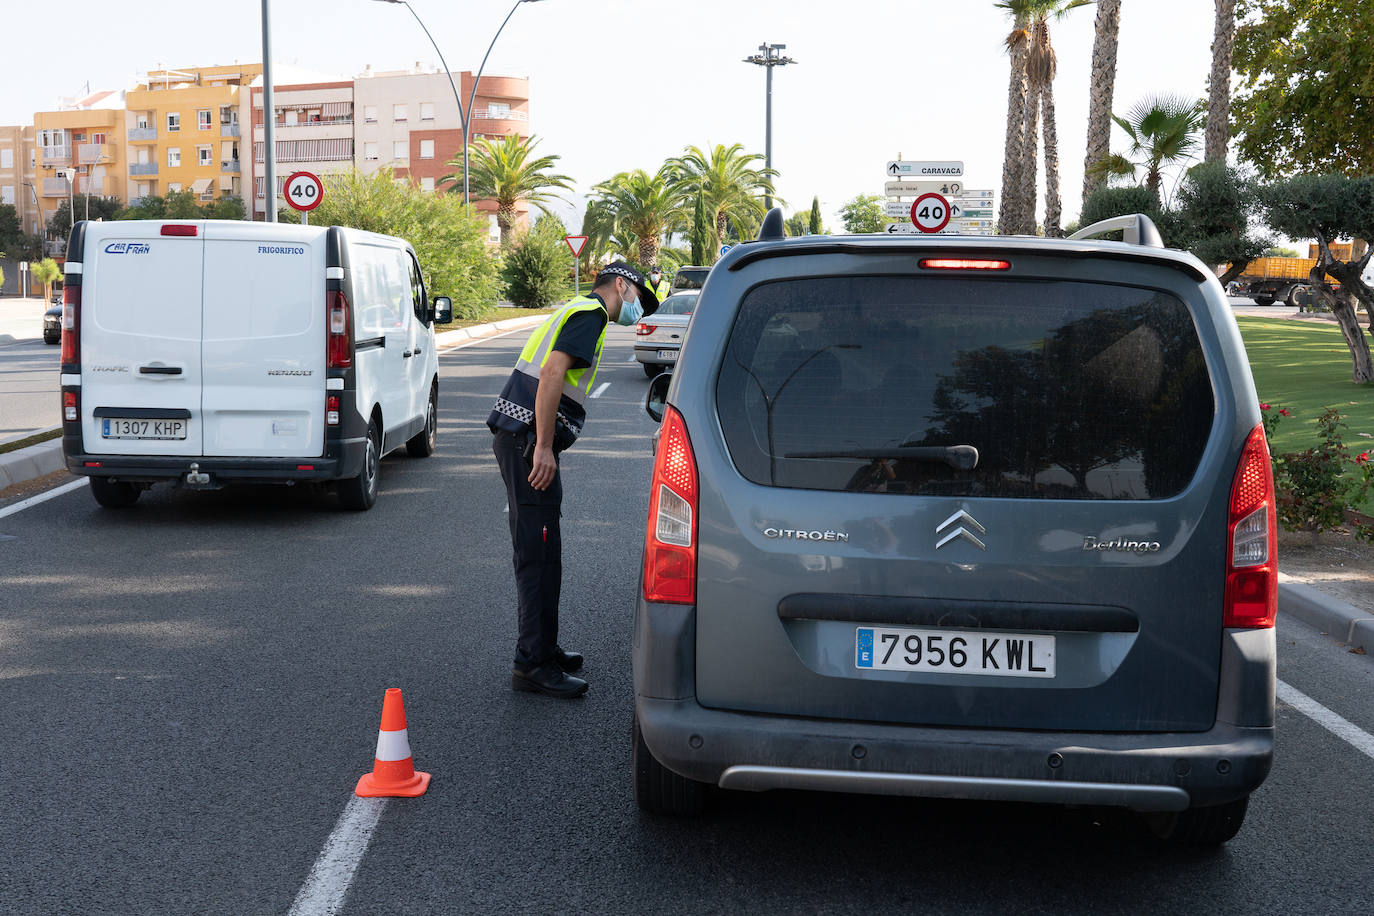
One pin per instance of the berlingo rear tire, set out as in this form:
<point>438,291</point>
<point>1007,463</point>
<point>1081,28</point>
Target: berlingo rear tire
<point>658,790</point>
<point>114,494</point>
<point>1209,826</point>
<point>360,493</point>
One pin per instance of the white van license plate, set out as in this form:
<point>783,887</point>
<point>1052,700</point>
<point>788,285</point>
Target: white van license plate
<point>120,428</point>
<point>954,652</point>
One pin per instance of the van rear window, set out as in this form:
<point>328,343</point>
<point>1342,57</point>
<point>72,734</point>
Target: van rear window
<point>1065,389</point>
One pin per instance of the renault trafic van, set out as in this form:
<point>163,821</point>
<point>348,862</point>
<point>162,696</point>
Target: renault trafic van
<point>209,352</point>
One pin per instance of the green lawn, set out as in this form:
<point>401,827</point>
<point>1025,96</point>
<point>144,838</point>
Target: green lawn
<point>1304,367</point>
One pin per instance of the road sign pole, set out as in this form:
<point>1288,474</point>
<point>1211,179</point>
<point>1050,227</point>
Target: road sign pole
<point>577,275</point>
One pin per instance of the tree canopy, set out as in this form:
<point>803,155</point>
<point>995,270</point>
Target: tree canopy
<point>1306,96</point>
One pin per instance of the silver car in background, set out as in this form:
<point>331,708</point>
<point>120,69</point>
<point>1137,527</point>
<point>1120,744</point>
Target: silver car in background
<point>659,337</point>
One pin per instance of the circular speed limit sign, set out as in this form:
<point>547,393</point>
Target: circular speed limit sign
<point>930,212</point>
<point>303,190</point>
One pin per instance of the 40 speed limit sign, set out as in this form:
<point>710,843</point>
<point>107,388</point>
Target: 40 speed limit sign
<point>930,212</point>
<point>303,191</point>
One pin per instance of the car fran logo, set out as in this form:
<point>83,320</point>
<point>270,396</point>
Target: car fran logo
<point>128,248</point>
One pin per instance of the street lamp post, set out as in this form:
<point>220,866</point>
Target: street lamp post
<point>269,119</point>
<point>70,175</point>
<point>464,114</point>
<point>768,58</point>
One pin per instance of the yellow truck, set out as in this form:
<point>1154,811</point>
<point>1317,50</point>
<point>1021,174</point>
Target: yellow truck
<point>1267,280</point>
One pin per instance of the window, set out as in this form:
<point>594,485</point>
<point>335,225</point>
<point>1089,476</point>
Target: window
<point>98,138</point>
<point>370,151</point>
<point>292,118</point>
<point>370,114</point>
<point>426,149</point>
<point>203,118</point>
<point>203,156</point>
<point>7,195</point>
<point>173,186</point>
<point>398,112</point>
<point>426,111</point>
<point>825,377</point>
<point>6,158</point>
<point>173,121</point>
<point>426,184</point>
<point>498,109</point>
<point>173,157</point>
<point>400,150</point>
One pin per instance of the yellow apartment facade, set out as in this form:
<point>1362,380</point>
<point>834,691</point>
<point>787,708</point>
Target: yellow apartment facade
<point>87,137</point>
<point>183,133</point>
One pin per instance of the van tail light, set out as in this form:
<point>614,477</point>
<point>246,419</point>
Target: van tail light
<point>331,410</point>
<point>71,324</point>
<point>1252,566</point>
<point>644,330</point>
<point>71,409</point>
<point>670,539</point>
<point>340,349</point>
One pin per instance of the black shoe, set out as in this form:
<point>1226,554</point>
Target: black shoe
<point>548,679</point>
<point>568,661</point>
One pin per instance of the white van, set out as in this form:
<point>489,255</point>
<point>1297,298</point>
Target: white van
<point>216,351</point>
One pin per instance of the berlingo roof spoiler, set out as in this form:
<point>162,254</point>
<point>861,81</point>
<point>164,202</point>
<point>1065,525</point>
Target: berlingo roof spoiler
<point>1136,229</point>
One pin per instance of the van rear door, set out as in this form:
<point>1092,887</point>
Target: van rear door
<point>264,341</point>
<point>140,339</point>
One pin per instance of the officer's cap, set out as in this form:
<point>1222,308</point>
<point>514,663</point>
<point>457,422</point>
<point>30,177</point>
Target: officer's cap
<point>647,300</point>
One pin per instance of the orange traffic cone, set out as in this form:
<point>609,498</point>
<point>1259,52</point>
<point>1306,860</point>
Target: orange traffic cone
<point>393,772</point>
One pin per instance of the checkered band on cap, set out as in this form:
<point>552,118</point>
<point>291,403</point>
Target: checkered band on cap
<point>620,270</point>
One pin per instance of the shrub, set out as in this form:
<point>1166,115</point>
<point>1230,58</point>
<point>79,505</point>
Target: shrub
<point>537,265</point>
<point>1315,485</point>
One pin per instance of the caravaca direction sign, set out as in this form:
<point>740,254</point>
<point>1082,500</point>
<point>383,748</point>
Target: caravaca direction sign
<point>903,168</point>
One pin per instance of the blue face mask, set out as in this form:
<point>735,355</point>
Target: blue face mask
<point>630,312</point>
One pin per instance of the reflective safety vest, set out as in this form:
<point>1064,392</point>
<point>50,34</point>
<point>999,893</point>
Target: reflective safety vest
<point>514,409</point>
<point>662,289</point>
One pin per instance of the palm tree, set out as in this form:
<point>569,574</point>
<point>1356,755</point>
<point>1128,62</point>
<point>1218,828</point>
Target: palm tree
<point>639,204</point>
<point>1100,90</point>
<point>46,272</point>
<point>731,186</point>
<point>1041,64</point>
<point>1018,44</point>
<point>1219,95</point>
<point>508,172</point>
<point>1162,130</point>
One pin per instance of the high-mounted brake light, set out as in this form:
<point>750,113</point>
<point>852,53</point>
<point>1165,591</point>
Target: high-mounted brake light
<point>1252,569</point>
<point>670,538</point>
<point>179,229</point>
<point>644,330</point>
<point>340,347</point>
<point>71,324</point>
<point>964,264</point>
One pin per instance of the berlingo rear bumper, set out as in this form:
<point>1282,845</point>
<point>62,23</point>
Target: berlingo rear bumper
<point>1145,771</point>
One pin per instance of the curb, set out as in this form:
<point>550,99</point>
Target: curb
<point>477,332</point>
<point>1332,616</point>
<point>29,463</point>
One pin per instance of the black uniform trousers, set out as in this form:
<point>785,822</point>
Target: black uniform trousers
<point>538,549</point>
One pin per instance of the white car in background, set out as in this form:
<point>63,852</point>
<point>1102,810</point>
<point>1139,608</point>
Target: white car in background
<point>659,337</point>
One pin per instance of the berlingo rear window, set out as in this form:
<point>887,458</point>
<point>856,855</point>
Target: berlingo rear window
<point>1049,389</point>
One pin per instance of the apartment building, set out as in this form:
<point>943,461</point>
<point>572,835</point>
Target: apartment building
<point>313,132</point>
<point>183,132</point>
<point>84,134</point>
<point>408,121</point>
<point>19,176</point>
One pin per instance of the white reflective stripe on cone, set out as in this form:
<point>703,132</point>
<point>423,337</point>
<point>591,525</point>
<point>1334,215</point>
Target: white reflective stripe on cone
<point>393,745</point>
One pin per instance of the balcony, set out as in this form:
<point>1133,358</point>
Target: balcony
<point>54,187</point>
<point>143,168</point>
<point>229,166</point>
<point>57,155</point>
<point>229,130</point>
<point>499,114</point>
<point>142,134</point>
<point>92,154</point>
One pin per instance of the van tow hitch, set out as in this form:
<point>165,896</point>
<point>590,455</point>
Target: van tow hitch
<point>194,478</point>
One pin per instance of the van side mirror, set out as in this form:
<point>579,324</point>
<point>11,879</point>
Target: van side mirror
<point>657,399</point>
<point>442,313</point>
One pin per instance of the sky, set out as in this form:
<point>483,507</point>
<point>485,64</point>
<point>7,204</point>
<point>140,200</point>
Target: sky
<point>623,84</point>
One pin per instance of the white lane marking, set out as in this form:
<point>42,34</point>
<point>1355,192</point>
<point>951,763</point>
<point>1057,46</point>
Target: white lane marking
<point>42,497</point>
<point>600,388</point>
<point>328,881</point>
<point>1336,724</point>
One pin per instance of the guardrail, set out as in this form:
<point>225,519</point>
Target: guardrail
<point>142,134</point>
<point>143,168</point>
<point>497,114</point>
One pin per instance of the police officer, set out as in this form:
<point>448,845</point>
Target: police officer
<point>658,284</point>
<point>538,415</point>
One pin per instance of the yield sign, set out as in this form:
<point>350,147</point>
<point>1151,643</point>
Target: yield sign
<point>576,243</point>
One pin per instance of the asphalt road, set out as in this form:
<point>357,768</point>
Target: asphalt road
<point>192,688</point>
<point>29,388</point>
